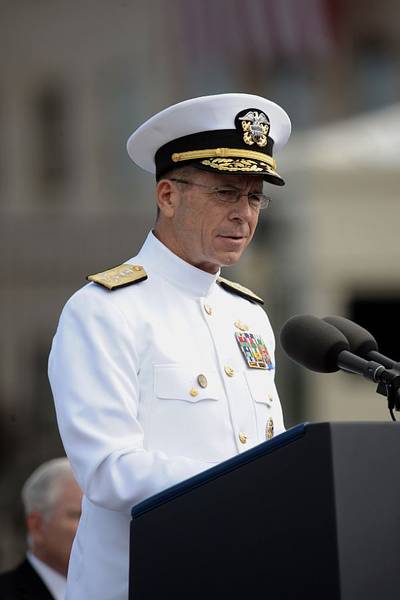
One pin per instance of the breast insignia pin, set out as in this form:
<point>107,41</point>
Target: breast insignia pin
<point>269,430</point>
<point>241,326</point>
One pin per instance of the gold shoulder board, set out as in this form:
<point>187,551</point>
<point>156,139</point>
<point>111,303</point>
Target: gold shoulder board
<point>120,276</point>
<point>240,290</point>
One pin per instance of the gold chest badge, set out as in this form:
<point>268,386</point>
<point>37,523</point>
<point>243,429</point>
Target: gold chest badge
<point>269,429</point>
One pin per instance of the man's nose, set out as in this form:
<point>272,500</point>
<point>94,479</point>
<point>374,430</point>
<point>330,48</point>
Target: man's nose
<point>241,209</point>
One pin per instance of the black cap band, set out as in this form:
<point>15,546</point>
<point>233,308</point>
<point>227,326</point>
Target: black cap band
<point>222,138</point>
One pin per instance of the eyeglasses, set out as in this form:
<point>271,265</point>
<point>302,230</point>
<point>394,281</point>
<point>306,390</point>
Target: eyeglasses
<point>231,195</point>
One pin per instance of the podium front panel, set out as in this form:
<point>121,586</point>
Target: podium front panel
<point>263,528</point>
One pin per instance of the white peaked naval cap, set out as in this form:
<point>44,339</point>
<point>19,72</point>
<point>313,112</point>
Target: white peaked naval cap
<point>225,133</point>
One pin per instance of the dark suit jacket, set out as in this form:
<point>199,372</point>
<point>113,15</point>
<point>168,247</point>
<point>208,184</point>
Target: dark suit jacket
<point>23,583</point>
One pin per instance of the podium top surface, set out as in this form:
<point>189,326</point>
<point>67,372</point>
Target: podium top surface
<point>231,464</point>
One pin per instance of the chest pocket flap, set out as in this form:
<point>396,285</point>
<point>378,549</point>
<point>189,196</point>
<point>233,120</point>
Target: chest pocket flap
<point>183,382</point>
<point>261,386</point>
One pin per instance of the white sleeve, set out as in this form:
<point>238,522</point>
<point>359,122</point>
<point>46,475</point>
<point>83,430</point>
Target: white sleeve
<point>93,374</point>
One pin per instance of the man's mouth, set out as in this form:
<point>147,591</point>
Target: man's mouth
<point>233,237</point>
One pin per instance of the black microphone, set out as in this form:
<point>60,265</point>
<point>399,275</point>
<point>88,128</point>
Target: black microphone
<point>361,341</point>
<point>319,346</point>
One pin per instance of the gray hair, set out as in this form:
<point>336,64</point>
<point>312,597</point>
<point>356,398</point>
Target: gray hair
<point>41,490</point>
<point>179,171</point>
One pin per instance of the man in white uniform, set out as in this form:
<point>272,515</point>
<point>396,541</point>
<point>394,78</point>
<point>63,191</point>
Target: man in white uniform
<point>160,368</point>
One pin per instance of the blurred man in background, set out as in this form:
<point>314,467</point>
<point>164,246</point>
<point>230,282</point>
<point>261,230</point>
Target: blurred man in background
<point>52,505</point>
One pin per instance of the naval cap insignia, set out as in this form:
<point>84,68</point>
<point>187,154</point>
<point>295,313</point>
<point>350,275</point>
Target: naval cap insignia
<point>254,124</point>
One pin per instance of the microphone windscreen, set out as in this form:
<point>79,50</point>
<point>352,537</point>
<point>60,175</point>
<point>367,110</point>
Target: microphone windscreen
<point>313,343</point>
<point>360,340</point>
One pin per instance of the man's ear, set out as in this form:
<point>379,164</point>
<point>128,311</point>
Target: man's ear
<point>167,197</point>
<point>34,525</point>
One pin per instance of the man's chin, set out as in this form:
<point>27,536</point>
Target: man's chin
<point>231,248</point>
<point>228,259</point>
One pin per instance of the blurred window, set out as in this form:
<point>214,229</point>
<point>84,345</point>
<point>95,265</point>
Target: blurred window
<point>380,315</point>
<point>376,72</point>
<point>51,158</point>
<point>3,144</point>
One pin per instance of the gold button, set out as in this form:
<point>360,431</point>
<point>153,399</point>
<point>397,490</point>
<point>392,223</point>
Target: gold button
<point>270,398</point>
<point>202,380</point>
<point>229,371</point>
<point>269,430</point>
<point>208,309</point>
<point>241,326</point>
<point>242,437</point>
<point>194,392</point>
<point>137,268</point>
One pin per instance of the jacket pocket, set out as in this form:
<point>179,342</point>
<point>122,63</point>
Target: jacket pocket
<point>266,401</point>
<point>177,382</point>
<point>189,418</point>
<point>261,386</point>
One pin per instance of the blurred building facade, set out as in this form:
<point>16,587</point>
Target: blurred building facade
<point>77,80</point>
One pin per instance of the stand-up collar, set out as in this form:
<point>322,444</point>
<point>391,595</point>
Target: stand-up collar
<point>156,257</point>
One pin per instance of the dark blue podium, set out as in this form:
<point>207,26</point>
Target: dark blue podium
<point>312,514</point>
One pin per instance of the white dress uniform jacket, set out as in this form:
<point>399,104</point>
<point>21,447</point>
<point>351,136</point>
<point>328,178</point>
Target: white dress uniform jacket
<point>132,413</point>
